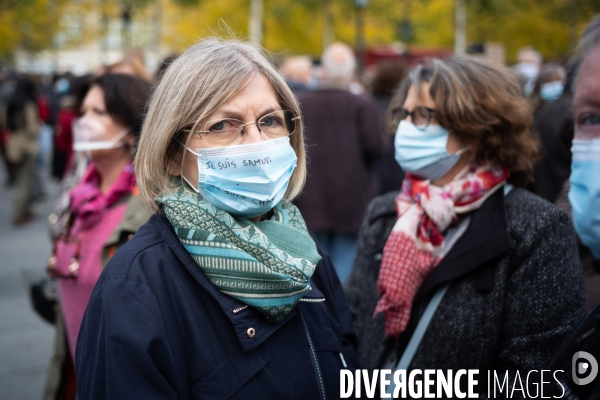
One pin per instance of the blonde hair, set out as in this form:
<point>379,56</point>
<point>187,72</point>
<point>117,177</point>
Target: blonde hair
<point>196,84</point>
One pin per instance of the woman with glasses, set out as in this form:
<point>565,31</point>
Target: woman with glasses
<point>463,268</point>
<point>104,210</point>
<point>222,294</point>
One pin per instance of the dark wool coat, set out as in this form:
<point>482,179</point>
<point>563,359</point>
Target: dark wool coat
<point>345,136</point>
<point>584,338</point>
<point>157,328</point>
<point>516,292</point>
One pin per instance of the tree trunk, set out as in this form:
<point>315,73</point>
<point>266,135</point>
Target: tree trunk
<point>460,28</point>
<point>256,21</point>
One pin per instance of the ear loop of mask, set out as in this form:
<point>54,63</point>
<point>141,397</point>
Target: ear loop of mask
<point>120,136</point>
<point>194,188</point>
<point>461,151</point>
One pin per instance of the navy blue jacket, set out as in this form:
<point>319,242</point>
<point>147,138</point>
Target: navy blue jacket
<point>157,328</point>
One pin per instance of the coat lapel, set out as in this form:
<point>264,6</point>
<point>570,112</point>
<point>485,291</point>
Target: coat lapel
<point>487,237</point>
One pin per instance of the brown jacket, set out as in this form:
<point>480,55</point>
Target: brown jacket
<point>345,136</point>
<point>24,142</point>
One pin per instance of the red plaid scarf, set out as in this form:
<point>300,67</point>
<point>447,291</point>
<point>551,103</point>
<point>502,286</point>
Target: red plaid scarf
<point>416,244</point>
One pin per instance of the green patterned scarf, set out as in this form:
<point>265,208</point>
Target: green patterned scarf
<point>266,264</point>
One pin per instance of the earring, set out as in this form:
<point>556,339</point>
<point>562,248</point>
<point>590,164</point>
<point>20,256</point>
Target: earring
<point>132,150</point>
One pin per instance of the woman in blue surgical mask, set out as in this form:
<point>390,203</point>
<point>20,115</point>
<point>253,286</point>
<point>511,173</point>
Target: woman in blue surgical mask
<point>463,267</point>
<point>549,85</point>
<point>584,191</point>
<point>223,293</point>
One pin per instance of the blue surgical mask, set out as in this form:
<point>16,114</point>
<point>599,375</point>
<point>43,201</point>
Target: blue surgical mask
<point>584,194</point>
<point>551,91</point>
<point>423,152</point>
<point>245,180</point>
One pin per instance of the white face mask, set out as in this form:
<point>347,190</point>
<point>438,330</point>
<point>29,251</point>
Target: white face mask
<point>90,134</point>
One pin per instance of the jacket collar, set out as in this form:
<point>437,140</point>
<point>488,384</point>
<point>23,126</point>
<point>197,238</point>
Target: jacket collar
<point>486,237</point>
<point>241,316</point>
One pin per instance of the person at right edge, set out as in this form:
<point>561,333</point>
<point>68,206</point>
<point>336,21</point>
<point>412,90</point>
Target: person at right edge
<point>494,265</point>
<point>576,364</point>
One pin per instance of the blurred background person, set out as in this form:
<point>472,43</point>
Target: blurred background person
<point>549,85</point>
<point>298,73</point>
<point>584,195</point>
<point>60,122</point>
<point>63,136</point>
<point>553,122</point>
<point>131,64</point>
<point>345,137</point>
<point>78,161</point>
<point>22,147</point>
<point>8,81</point>
<point>104,210</point>
<point>495,265</point>
<point>529,62</point>
<point>388,175</point>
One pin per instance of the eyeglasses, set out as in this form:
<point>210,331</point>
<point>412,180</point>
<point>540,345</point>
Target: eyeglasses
<point>227,132</point>
<point>420,116</point>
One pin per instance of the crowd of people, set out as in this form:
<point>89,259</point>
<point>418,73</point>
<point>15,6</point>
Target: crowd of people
<point>229,229</point>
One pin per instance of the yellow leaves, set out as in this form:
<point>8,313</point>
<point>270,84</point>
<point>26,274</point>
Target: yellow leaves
<point>29,25</point>
<point>297,26</point>
<point>9,35</point>
<point>183,26</point>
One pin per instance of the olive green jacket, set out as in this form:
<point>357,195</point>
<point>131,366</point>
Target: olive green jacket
<point>135,216</point>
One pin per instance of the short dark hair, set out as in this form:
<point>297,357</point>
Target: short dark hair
<point>125,98</point>
<point>388,77</point>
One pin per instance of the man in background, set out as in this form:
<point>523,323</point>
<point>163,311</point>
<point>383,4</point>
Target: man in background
<point>297,71</point>
<point>345,137</point>
<point>528,68</point>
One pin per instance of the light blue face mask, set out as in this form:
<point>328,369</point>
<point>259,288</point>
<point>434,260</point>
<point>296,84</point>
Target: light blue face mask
<point>245,180</point>
<point>584,194</point>
<point>551,91</point>
<point>423,152</point>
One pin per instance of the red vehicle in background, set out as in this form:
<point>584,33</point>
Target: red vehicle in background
<point>410,56</point>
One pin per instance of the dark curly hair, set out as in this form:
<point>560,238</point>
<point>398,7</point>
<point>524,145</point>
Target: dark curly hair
<point>481,103</point>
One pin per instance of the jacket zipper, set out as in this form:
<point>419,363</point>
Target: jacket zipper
<point>312,300</point>
<point>237,310</point>
<point>315,360</point>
